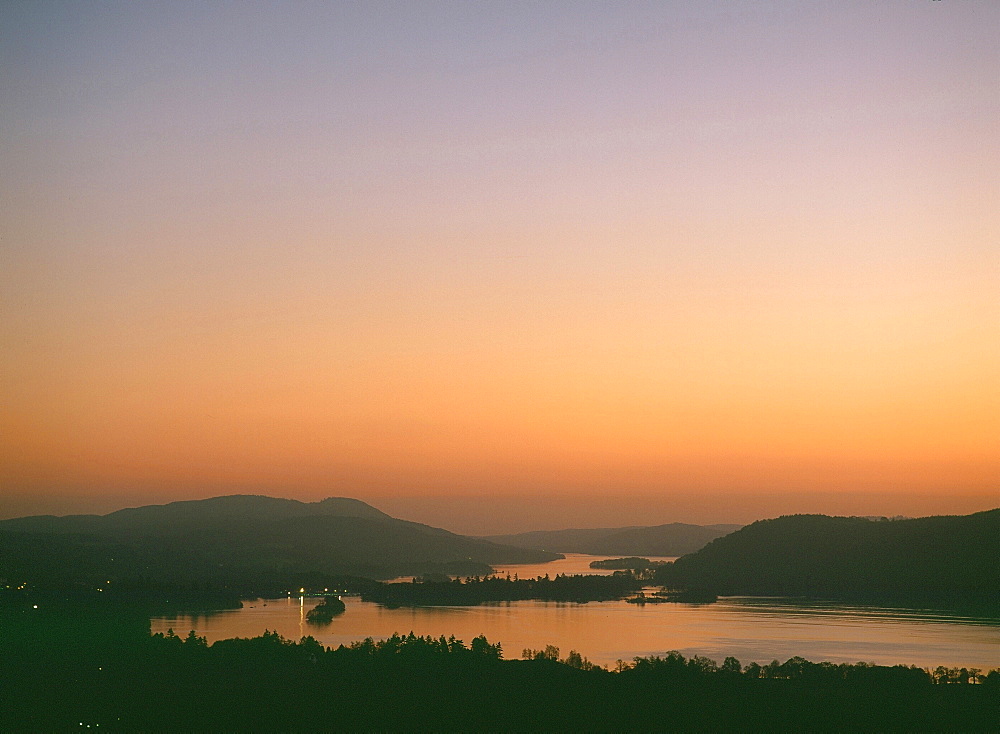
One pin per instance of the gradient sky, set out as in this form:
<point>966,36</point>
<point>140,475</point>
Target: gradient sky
<point>509,265</point>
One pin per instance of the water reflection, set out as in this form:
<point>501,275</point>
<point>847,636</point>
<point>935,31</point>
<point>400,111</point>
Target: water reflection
<point>749,629</point>
<point>573,563</point>
<point>838,612</point>
<point>752,629</point>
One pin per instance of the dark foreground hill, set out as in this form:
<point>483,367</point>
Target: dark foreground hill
<point>673,539</point>
<point>235,540</point>
<point>948,561</point>
<point>106,672</point>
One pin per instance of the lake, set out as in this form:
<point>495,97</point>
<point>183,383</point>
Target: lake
<point>748,628</point>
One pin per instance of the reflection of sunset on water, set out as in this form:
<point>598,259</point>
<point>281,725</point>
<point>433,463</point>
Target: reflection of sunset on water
<point>748,629</point>
<point>299,296</point>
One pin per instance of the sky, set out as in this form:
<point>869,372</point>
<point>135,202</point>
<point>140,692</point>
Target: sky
<point>502,266</point>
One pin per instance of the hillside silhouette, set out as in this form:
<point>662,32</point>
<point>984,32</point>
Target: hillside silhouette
<point>226,541</point>
<point>947,560</point>
<point>186,516</point>
<point>672,539</point>
<point>109,673</point>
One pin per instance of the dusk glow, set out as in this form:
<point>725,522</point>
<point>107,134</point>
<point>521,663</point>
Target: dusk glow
<point>606,263</point>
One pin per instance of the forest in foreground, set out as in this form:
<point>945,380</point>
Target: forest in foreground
<point>77,651</point>
<point>105,671</point>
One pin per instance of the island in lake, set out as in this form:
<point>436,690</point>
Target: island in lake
<point>77,617</point>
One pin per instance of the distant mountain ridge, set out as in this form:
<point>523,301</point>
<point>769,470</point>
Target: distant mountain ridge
<point>943,560</point>
<point>245,507</point>
<point>672,539</point>
<point>241,537</point>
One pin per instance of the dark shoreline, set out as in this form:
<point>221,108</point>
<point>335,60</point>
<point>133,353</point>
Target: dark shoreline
<point>112,674</point>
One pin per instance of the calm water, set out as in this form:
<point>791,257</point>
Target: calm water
<point>751,629</point>
<point>571,564</point>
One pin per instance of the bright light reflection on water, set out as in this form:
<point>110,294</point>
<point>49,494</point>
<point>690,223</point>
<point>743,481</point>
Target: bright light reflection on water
<point>751,629</point>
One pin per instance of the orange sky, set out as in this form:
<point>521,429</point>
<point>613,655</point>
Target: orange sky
<point>744,255</point>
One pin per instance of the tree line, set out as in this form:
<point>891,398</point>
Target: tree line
<point>939,562</point>
<point>117,676</point>
<point>479,590</point>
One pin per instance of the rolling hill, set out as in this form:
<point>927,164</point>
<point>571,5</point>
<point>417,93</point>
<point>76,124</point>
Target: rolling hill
<point>673,539</point>
<point>947,560</point>
<point>224,540</point>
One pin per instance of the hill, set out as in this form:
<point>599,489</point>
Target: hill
<point>186,515</point>
<point>237,539</point>
<point>673,539</point>
<point>948,560</point>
